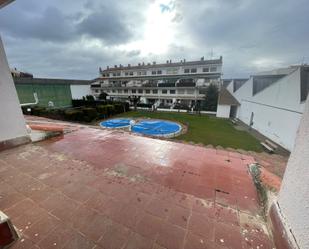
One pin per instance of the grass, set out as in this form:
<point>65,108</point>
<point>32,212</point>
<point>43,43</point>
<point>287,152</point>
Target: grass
<point>205,129</point>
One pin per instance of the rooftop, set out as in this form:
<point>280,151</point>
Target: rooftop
<point>160,65</point>
<point>118,190</point>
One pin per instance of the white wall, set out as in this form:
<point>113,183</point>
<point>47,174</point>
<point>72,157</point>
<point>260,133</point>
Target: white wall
<point>78,91</point>
<point>12,122</point>
<point>223,111</point>
<point>294,194</point>
<point>277,109</point>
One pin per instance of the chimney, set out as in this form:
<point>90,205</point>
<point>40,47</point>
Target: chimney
<point>170,61</point>
<point>107,67</point>
<point>148,64</point>
<point>202,58</point>
<point>129,65</point>
<point>120,65</point>
<point>184,60</point>
<point>180,61</point>
<point>154,63</point>
<point>143,63</point>
<point>167,61</point>
<point>116,66</point>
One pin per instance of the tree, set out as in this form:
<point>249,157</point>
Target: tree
<point>103,96</point>
<point>134,100</point>
<point>211,98</point>
<point>89,98</point>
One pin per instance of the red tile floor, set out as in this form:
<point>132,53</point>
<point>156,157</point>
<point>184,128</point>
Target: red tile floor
<point>108,189</point>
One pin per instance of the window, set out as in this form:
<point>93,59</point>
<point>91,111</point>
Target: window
<point>187,70</point>
<point>96,91</point>
<point>139,73</point>
<point>206,69</point>
<point>159,72</point>
<point>164,91</point>
<point>140,91</point>
<point>118,74</point>
<point>213,69</point>
<point>172,91</point>
<point>144,73</point>
<point>126,73</point>
<point>125,90</point>
<point>147,91</point>
<point>154,72</point>
<point>193,70</point>
<point>181,91</point>
<point>114,74</point>
<point>119,91</point>
<point>131,73</point>
<point>133,90</point>
<point>189,91</point>
<point>113,90</point>
<point>155,91</point>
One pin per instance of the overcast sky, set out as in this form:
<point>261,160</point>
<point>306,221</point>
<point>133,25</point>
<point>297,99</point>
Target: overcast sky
<point>73,38</point>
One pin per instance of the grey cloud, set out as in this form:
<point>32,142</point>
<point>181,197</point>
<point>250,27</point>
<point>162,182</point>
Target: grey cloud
<point>106,24</point>
<point>48,25</point>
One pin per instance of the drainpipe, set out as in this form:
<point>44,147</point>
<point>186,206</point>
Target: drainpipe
<point>35,103</point>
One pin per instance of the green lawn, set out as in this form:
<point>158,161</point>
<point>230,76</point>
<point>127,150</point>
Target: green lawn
<point>206,130</point>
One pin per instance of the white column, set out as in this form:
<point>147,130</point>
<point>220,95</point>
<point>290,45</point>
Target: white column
<point>293,198</point>
<point>12,122</point>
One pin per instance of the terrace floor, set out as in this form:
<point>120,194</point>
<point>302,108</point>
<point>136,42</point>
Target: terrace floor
<point>106,189</point>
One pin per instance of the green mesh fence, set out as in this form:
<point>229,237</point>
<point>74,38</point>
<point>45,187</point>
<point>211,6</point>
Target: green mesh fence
<point>59,94</point>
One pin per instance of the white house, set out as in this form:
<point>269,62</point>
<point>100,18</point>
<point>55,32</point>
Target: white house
<point>271,102</point>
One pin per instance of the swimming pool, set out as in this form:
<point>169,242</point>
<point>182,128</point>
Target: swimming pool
<point>158,128</point>
<point>116,123</point>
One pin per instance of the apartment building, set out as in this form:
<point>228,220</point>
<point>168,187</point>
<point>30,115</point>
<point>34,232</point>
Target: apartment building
<point>164,84</point>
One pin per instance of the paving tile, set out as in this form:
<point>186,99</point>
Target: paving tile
<point>58,238</point>
<point>82,216</point>
<point>115,238</point>
<point>128,215</point>
<point>158,208</point>
<point>137,241</point>
<point>24,243</point>
<point>77,241</point>
<point>179,216</point>
<point>95,229</point>
<point>171,236</point>
<point>228,235</point>
<point>227,215</point>
<point>149,226</point>
<point>118,198</point>
<point>41,229</point>
<point>204,207</point>
<point>202,225</point>
<point>78,192</point>
<point>194,241</point>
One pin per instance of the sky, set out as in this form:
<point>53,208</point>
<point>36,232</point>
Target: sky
<point>73,38</point>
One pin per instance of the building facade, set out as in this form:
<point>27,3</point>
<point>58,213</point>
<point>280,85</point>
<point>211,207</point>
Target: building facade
<point>165,84</point>
<point>272,102</point>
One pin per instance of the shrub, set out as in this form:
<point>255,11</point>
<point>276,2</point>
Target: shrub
<point>144,105</point>
<point>102,110</point>
<point>118,108</point>
<point>110,110</point>
<point>89,114</point>
<point>74,114</point>
<point>39,111</point>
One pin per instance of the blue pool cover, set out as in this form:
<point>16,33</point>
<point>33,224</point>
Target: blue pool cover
<point>156,128</point>
<point>116,123</point>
